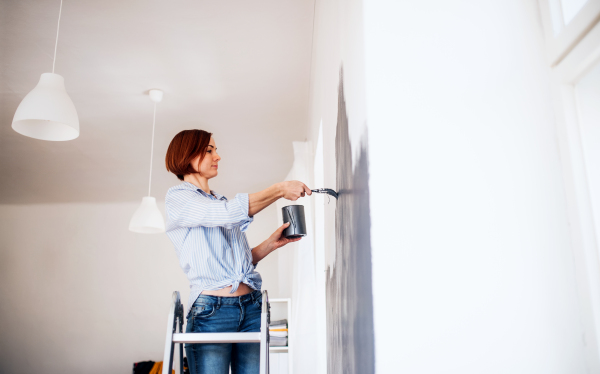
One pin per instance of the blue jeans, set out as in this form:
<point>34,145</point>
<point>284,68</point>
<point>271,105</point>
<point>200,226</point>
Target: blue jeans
<point>225,314</point>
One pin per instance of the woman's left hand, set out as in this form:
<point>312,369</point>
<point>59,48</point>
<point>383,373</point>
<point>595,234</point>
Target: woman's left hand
<point>277,240</point>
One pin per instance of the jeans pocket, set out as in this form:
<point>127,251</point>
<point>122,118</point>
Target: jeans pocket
<point>203,311</point>
<point>258,301</point>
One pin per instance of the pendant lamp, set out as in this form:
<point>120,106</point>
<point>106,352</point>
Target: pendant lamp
<point>47,112</point>
<point>147,219</point>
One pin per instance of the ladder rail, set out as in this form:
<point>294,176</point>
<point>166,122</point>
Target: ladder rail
<point>171,326</point>
<point>180,317</point>
<point>265,320</point>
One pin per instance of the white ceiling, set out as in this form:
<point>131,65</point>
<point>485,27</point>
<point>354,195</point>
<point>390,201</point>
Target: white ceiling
<point>237,68</point>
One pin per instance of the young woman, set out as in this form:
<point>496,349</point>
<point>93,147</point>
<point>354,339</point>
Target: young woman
<point>208,232</point>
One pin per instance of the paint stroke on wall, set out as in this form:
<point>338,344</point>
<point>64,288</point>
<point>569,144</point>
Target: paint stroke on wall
<point>350,340</point>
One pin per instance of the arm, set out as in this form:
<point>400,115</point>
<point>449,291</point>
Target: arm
<point>188,209</point>
<point>272,243</point>
<point>261,200</point>
<point>291,190</point>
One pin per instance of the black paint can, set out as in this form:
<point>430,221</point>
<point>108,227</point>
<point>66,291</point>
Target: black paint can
<point>294,214</point>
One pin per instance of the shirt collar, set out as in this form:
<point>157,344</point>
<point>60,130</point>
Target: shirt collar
<point>193,187</point>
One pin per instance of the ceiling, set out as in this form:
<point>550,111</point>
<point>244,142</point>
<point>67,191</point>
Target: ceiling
<point>237,68</point>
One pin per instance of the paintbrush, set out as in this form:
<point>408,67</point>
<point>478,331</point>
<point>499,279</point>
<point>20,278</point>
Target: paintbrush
<point>327,191</point>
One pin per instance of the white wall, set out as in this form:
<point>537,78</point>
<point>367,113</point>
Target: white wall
<point>472,262</point>
<point>588,103</point>
<point>338,44</point>
<point>298,277</point>
<point>81,293</point>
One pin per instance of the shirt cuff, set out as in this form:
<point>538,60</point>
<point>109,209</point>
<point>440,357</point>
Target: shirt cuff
<point>244,200</point>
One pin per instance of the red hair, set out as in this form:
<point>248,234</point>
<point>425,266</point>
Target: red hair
<point>184,147</point>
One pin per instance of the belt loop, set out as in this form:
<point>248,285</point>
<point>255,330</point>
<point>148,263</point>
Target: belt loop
<point>218,302</point>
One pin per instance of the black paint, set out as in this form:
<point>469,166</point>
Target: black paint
<point>350,337</point>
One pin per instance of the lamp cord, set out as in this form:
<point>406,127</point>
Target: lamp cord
<point>152,149</point>
<point>56,44</point>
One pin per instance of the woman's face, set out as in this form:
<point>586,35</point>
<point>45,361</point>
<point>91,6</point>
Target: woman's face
<point>209,166</point>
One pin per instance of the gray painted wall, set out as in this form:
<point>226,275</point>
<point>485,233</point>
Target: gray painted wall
<point>349,292</point>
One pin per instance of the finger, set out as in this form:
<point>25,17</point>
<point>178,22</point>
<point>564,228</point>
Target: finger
<point>277,234</point>
<point>283,227</point>
<point>308,191</point>
<point>285,241</point>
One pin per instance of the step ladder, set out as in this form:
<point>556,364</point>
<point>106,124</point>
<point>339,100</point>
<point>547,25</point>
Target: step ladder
<point>176,320</point>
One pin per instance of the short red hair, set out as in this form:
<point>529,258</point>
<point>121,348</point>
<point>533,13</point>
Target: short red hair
<point>184,147</point>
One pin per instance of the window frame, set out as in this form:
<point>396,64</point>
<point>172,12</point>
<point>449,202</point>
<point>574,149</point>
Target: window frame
<point>560,45</point>
<point>572,53</point>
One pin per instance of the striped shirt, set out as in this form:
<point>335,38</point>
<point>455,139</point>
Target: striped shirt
<point>209,236</point>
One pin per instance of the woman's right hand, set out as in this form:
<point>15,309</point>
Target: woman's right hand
<point>293,190</point>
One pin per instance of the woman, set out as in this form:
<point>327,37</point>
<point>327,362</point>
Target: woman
<point>207,231</point>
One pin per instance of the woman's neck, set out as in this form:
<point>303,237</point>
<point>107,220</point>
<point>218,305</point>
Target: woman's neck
<point>197,181</point>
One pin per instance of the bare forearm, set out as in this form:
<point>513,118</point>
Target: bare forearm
<point>259,252</point>
<point>262,199</point>
<point>276,240</point>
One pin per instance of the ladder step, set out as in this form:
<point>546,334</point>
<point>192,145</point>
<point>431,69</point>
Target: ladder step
<point>217,337</point>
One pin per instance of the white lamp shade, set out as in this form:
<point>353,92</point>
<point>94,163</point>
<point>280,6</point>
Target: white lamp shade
<point>47,112</point>
<point>147,219</point>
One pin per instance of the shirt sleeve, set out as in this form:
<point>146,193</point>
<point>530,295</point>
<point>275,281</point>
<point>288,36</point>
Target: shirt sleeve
<point>186,208</point>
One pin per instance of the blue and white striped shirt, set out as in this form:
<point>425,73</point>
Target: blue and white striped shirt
<point>209,238</point>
